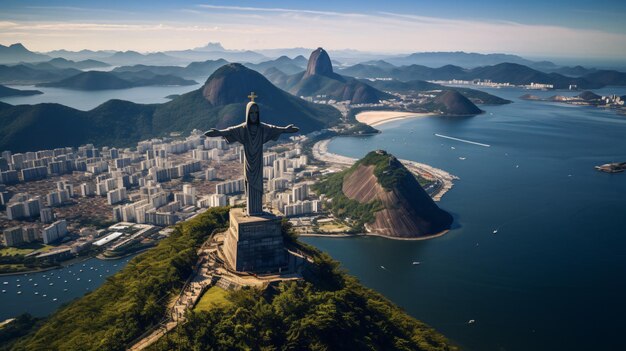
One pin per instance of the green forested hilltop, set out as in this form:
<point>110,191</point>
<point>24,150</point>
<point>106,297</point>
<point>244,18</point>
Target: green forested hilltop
<point>328,310</point>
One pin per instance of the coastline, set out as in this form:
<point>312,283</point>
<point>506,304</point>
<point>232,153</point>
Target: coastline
<point>376,118</point>
<point>436,235</point>
<point>443,180</point>
<point>338,162</point>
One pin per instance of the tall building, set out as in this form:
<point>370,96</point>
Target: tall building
<point>30,233</point>
<point>300,192</point>
<point>15,210</point>
<point>87,189</point>
<point>32,207</point>
<point>54,231</point>
<point>230,187</point>
<point>46,215</point>
<point>116,196</point>
<point>210,174</point>
<point>13,236</point>
<point>34,173</point>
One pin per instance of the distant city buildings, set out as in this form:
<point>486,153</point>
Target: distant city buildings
<point>160,183</point>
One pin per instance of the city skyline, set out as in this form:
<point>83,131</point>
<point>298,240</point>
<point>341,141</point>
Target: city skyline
<point>572,29</point>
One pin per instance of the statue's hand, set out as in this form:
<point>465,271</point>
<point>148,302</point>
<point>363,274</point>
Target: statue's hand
<point>292,129</point>
<point>213,133</point>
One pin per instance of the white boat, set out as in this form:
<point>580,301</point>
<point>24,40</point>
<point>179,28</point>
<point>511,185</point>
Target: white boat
<point>19,292</point>
<point>44,295</point>
<point>3,291</point>
<point>495,231</point>
<point>77,278</point>
<point>35,284</point>
<point>382,267</point>
<point>51,284</point>
<point>6,283</point>
<point>54,299</point>
<point>36,293</point>
<point>462,158</point>
<point>471,321</point>
<point>416,262</point>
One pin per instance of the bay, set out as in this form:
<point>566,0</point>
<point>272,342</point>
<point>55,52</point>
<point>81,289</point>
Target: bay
<point>87,100</point>
<point>553,277</point>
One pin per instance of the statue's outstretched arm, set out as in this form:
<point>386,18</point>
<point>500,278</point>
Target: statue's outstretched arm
<point>214,133</point>
<point>290,129</point>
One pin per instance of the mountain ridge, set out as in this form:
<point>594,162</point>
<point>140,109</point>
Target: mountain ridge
<point>123,123</point>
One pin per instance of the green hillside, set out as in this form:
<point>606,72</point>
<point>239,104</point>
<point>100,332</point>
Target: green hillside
<point>328,310</point>
<point>133,299</point>
<point>220,103</point>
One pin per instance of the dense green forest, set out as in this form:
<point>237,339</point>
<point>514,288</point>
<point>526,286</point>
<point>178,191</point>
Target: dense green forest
<point>328,310</point>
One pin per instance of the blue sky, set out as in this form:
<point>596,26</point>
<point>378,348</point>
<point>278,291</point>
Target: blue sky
<point>530,27</point>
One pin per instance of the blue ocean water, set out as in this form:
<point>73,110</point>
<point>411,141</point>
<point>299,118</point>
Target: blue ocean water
<point>554,275</point>
<point>42,293</point>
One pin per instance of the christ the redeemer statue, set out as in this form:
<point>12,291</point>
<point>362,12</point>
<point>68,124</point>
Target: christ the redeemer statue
<point>252,134</point>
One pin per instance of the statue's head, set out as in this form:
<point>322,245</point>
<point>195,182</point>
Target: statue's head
<point>252,113</point>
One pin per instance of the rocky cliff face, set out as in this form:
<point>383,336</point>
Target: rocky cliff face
<point>407,210</point>
<point>319,63</point>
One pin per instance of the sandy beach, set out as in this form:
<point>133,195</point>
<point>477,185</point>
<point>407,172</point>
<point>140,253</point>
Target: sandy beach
<point>336,162</point>
<point>375,118</point>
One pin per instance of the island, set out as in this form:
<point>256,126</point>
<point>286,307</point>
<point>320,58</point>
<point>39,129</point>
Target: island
<point>97,80</point>
<point>6,92</point>
<point>615,167</point>
<point>586,98</point>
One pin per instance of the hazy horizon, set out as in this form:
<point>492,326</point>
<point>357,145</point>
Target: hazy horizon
<point>572,29</point>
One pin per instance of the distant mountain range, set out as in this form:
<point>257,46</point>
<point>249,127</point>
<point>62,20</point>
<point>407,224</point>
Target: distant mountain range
<point>319,79</point>
<point>18,53</point>
<point>97,80</point>
<point>27,74</point>
<point>463,59</point>
<point>6,91</point>
<point>219,103</point>
<point>193,70</point>
<point>420,66</point>
<point>501,73</point>
<point>283,63</point>
<point>84,64</point>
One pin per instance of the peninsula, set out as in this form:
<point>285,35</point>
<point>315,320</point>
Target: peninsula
<point>379,195</point>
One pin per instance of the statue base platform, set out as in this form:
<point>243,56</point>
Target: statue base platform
<point>254,243</point>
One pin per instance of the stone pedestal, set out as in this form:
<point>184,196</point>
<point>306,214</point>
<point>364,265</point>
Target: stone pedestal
<point>254,243</point>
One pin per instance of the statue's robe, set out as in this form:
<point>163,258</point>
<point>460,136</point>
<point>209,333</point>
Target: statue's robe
<point>252,137</point>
